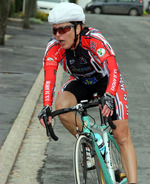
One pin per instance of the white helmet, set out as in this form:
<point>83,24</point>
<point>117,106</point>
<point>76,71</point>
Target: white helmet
<point>66,12</point>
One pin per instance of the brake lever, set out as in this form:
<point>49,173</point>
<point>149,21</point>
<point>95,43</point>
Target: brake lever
<point>49,128</point>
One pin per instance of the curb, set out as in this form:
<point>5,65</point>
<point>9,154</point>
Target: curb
<point>14,19</point>
<point>10,148</point>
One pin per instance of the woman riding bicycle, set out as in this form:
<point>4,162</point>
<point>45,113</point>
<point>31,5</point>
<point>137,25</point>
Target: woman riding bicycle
<point>85,54</point>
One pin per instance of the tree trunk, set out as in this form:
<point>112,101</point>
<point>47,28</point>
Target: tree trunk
<point>29,9</point>
<point>33,8</point>
<point>26,22</point>
<point>4,10</point>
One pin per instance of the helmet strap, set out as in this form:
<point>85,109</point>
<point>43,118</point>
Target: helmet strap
<point>76,36</point>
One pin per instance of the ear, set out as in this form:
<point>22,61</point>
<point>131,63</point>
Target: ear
<point>78,29</point>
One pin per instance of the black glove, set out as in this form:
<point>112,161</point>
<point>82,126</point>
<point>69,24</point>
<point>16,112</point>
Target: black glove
<point>108,100</point>
<point>44,114</point>
<point>46,111</point>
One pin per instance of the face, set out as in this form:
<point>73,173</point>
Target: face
<point>66,39</point>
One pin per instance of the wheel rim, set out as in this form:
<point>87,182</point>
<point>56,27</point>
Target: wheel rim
<point>84,175</point>
<point>133,12</point>
<point>97,10</point>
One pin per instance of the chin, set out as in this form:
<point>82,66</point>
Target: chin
<point>66,47</point>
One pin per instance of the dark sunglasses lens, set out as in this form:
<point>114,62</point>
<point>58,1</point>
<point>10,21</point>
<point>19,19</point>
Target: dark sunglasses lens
<point>64,30</point>
<point>61,30</point>
<point>55,31</point>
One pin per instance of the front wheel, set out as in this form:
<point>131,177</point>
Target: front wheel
<point>86,172</point>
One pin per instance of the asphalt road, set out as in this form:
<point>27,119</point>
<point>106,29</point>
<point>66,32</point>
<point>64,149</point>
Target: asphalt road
<point>20,63</point>
<point>129,37</point>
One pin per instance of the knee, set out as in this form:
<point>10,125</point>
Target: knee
<point>59,104</point>
<point>122,133</point>
<point>65,100</point>
<point>123,138</point>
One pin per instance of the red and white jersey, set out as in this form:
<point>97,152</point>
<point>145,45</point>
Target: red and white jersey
<point>93,59</point>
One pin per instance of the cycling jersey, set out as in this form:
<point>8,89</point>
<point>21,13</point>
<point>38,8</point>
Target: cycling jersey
<point>91,61</point>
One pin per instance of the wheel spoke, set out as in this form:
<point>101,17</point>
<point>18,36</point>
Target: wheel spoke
<point>117,165</point>
<point>85,170</point>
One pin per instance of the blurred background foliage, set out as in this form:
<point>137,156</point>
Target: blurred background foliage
<point>25,10</point>
<point>16,11</point>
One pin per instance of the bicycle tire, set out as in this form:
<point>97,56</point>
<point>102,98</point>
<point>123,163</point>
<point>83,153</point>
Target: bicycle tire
<point>117,165</point>
<point>84,175</point>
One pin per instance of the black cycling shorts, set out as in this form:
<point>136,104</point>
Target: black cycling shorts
<point>85,92</point>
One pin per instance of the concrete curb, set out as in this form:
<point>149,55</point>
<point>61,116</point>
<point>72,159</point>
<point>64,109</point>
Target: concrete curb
<point>32,156</point>
<point>12,143</point>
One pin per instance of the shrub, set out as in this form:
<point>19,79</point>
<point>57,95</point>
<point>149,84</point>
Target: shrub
<point>35,21</point>
<point>41,15</point>
<point>145,13</point>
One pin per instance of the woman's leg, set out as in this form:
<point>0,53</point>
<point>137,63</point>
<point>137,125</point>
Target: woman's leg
<point>66,99</point>
<point>128,155</point>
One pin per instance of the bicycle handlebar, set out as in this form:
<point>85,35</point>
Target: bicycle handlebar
<point>80,108</point>
<point>49,129</point>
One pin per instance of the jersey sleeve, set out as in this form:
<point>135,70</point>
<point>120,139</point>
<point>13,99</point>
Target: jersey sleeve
<point>102,48</point>
<point>50,70</point>
<point>107,60</point>
<point>113,73</point>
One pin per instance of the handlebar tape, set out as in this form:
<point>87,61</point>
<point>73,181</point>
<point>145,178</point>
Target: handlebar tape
<point>112,125</point>
<point>49,130</point>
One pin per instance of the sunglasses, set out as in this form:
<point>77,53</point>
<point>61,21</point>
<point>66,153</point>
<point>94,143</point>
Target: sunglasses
<point>62,30</point>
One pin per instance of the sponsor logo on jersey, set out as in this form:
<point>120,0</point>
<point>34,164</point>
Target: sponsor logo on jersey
<point>101,52</point>
<point>50,59</point>
<point>93,46</point>
<point>72,61</point>
<point>89,81</point>
<point>82,60</point>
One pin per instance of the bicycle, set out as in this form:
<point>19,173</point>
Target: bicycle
<point>106,169</point>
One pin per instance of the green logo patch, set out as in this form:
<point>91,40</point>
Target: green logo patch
<point>101,52</point>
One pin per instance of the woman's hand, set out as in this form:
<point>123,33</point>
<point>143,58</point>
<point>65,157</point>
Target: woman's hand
<point>46,111</point>
<point>108,105</point>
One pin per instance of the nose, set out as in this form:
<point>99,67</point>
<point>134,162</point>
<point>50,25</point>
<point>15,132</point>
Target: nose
<point>57,34</point>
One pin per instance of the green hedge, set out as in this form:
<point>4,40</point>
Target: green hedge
<point>42,16</point>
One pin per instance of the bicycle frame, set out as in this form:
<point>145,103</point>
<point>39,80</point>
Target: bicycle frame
<point>107,172</point>
<point>105,165</point>
<point>86,129</point>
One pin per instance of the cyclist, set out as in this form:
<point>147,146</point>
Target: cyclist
<point>85,54</point>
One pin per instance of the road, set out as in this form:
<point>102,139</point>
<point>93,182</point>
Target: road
<point>20,63</point>
<point>41,161</point>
